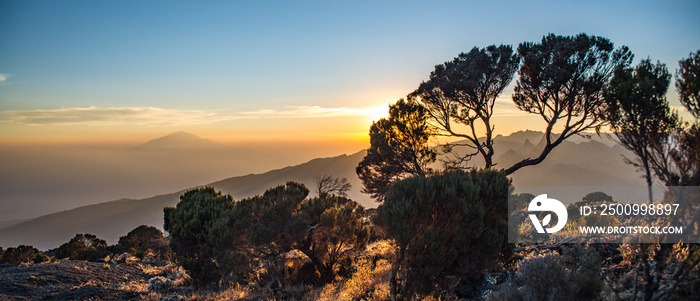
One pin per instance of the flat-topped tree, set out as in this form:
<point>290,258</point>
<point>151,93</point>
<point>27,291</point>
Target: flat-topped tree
<point>460,97</point>
<point>562,80</point>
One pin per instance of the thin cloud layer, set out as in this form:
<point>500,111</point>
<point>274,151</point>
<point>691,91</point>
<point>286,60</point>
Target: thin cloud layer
<point>308,112</point>
<point>505,107</point>
<point>94,116</point>
<point>107,116</point>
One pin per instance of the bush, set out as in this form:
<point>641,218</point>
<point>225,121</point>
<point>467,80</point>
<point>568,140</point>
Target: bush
<point>575,275</point>
<point>23,254</point>
<point>451,224</point>
<point>140,241</point>
<point>214,236</point>
<point>83,247</point>
<point>200,236</point>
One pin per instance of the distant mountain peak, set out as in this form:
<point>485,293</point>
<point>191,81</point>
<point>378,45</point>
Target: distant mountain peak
<point>180,136</point>
<point>179,140</point>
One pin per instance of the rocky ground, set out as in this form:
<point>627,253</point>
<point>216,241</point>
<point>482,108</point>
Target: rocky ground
<point>80,280</point>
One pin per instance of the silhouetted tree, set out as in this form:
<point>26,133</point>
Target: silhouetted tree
<point>398,148</point>
<point>83,247</point>
<point>562,80</point>
<point>327,184</point>
<point>688,83</point>
<point>450,224</point>
<point>675,159</point>
<point>463,92</point>
<point>639,114</point>
<point>684,168</point>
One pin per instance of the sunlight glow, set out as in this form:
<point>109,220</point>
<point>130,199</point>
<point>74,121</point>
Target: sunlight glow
<point>378,112</point>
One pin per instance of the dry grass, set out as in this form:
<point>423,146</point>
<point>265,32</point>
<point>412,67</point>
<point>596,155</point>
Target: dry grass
<point>153,270</point>
<point>139,286</point>
<point>369,282</point>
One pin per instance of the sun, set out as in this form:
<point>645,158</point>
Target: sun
<point>378,112</point>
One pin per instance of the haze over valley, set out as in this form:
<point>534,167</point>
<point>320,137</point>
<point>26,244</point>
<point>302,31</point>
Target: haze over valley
<point>110,191</point>
<point>38,179</point>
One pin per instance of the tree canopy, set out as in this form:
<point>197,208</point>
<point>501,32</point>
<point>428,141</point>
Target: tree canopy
<point>460,96</point>
<point>688,83</point>
<point>398,148</point>
<point>562,80</point>
<point>639,113</point>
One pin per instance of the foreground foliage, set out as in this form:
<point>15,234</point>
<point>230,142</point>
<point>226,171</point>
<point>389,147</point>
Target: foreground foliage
<point>215,237</point>
<point>447,228</point>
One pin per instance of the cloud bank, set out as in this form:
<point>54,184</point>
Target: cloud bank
<point>106,116</point>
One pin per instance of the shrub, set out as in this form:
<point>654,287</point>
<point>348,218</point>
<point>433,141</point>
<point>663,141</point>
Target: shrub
<point>575,275</point>
<point>23,254</point>
<point>451,224</point>
<point>140,241</point>
<point>83,247</point>
<point>214,236</point>
<point>200,236</point>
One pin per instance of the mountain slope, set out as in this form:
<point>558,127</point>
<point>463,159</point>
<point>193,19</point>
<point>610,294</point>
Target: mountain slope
<point>585,164</point>
<point>111,220</point>
<point>342,166</point>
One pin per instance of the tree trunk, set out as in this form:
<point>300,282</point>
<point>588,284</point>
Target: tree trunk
<point>648,280</point>
<point>647,170</point>
<point>326,272</point>
<point>393,283</point>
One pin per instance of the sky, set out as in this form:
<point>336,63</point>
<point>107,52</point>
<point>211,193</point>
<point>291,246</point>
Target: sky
<point>258,71</point>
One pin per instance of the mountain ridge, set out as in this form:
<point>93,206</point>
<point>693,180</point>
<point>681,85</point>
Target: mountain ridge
<point>112,219</point>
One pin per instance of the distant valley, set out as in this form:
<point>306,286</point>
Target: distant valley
<point>41,179</point>
<point>580,162</point>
